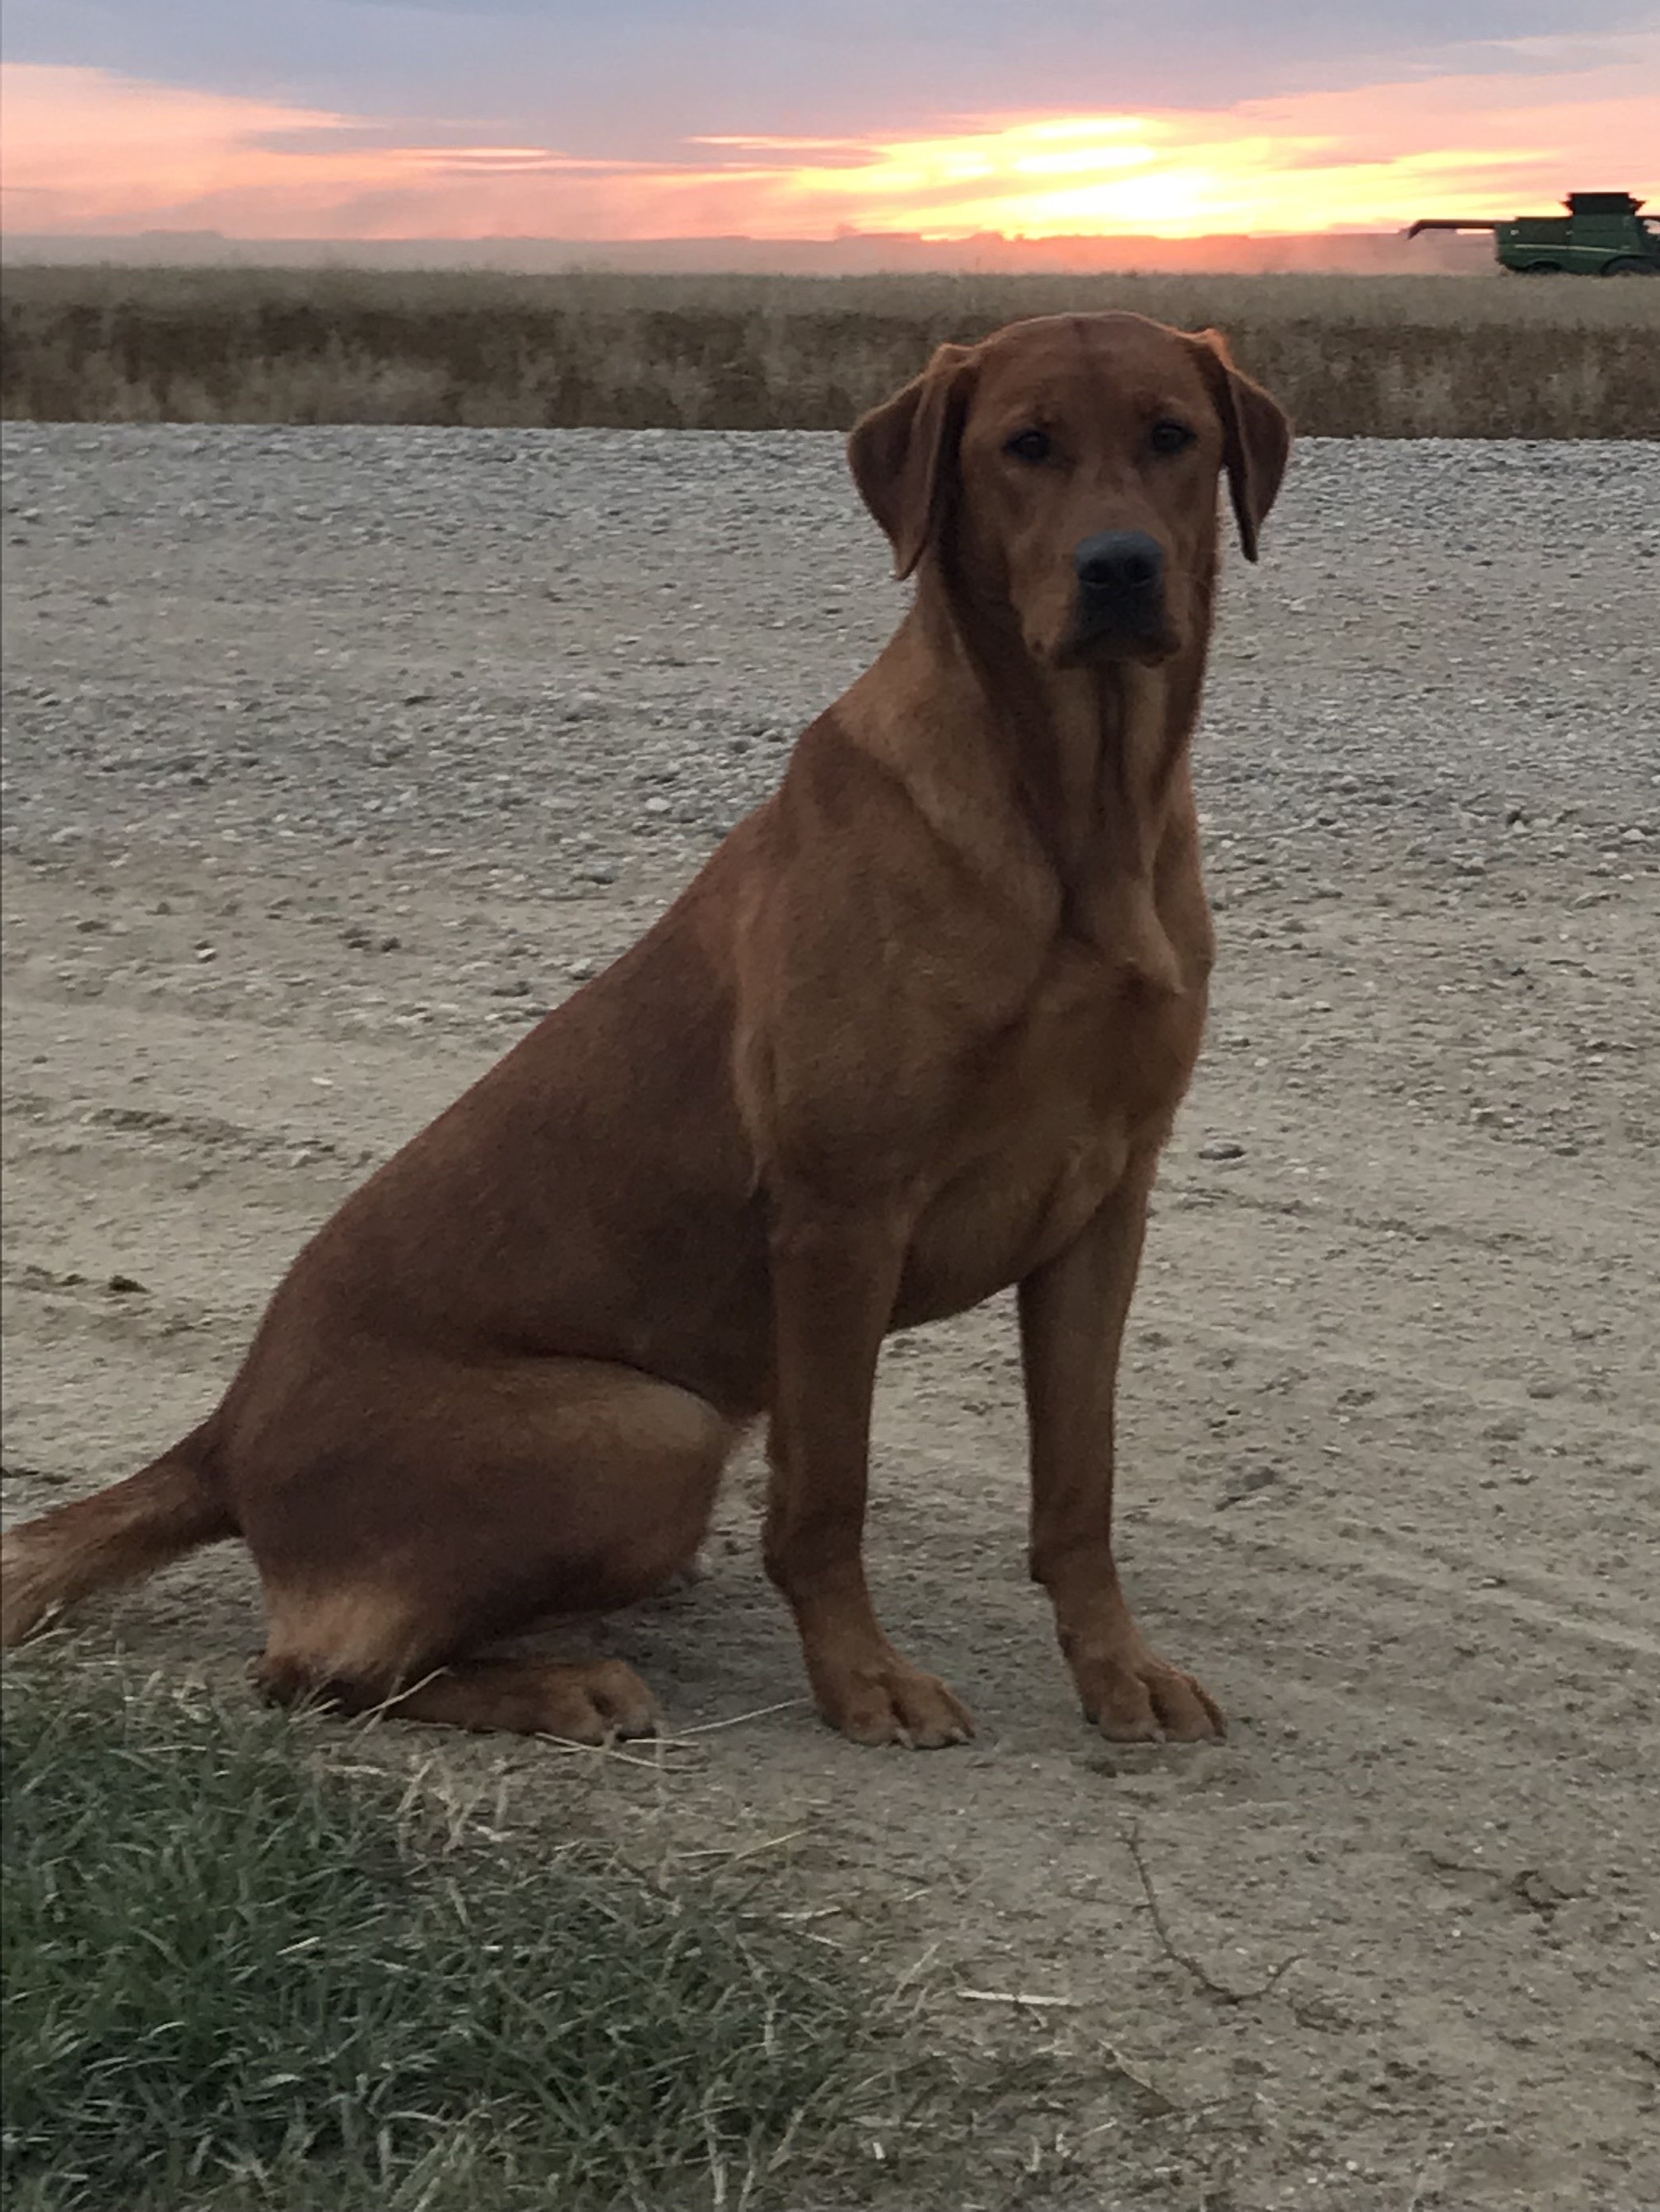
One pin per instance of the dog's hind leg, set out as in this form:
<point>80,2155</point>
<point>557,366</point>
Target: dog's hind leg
<point>549,1487</point>
<point>581,1702</point>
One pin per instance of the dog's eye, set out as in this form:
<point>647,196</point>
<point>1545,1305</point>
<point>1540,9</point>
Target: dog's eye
<point>1170,437</point>
<point>1030,445</point>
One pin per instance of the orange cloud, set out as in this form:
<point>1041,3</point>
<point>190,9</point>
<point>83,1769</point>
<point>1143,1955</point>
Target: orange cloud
<point>86,151</point>
<point>1370,157</point>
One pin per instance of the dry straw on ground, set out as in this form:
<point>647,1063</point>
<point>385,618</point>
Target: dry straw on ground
<point>1392,357</point>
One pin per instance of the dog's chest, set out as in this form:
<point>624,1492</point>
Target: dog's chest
<point>1089,1077</point>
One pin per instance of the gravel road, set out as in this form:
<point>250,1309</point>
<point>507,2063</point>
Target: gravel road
<point>334,755</point>
<point>376,637</point>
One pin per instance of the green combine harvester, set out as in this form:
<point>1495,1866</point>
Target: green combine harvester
<point>1601,234</point>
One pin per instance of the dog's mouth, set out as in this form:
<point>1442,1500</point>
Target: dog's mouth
<point>1108,633</point>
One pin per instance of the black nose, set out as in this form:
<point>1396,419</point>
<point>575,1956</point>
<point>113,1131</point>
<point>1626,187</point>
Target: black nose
<point>1120,562</point>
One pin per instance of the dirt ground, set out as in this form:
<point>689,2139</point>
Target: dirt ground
<point>1392,1407</point>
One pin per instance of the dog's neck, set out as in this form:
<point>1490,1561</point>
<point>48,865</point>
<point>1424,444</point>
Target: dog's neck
<point>1096,758</point>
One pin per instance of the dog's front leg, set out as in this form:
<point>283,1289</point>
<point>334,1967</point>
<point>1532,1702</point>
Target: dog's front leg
<point>835,1276</point>
<point>1072,1313</point>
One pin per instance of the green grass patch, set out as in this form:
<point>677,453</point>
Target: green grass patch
<point>237,1977</point>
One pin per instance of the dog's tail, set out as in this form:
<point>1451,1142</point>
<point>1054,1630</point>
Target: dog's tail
<point>119,1535</point>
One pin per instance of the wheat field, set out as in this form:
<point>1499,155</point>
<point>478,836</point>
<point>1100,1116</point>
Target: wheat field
<point>1486,356</point>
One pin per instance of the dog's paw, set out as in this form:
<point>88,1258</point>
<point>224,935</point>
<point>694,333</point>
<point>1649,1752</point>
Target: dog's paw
<point>891,1701</point>
<point>599,1703</point>
<point>1144,1699</point>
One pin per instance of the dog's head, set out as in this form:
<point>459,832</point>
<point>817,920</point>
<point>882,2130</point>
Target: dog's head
<point>1068,467</point>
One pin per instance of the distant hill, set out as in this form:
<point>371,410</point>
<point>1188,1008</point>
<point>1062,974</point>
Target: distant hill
<point>858,253</point>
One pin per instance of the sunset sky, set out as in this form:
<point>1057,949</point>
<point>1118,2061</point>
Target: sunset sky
<point>799,118</point>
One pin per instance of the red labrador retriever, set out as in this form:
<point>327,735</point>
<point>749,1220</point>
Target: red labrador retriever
<point>918,1031</point>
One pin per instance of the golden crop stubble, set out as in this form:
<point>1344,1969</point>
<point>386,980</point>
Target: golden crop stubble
<point>1485,356</point>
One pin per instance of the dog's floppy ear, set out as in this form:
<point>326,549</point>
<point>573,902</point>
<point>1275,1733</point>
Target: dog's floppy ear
<point>904,455</point>
<point>1257,435</point>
